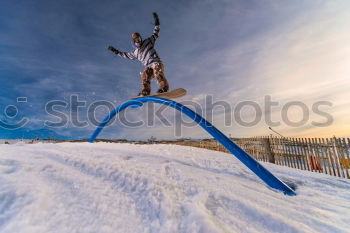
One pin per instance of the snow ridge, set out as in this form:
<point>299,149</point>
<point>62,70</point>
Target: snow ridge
<point>104,187</point>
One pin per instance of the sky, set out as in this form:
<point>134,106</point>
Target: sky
<point>238,54</point>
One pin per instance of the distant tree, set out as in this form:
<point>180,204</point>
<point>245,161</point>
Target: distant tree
<point>151,140</point>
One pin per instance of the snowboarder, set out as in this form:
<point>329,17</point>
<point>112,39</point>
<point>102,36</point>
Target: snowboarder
<point>145,52</point>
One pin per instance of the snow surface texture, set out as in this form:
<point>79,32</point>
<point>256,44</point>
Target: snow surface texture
<point>105,187</point>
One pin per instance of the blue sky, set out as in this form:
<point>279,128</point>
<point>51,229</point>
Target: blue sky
<point>231,50</point>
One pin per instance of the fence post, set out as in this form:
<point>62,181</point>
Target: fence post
<point>332,156</point>
<point>269,153</point>
<point>331,167</point>
<point>342,156</point>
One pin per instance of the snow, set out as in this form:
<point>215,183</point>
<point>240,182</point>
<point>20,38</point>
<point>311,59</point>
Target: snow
<point>106,187</point>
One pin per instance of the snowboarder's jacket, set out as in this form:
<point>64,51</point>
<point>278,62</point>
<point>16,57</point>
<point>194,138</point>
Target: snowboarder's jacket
<point>146,53</point>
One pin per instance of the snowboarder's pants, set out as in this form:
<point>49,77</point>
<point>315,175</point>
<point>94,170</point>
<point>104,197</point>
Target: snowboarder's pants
<point>155,70</point>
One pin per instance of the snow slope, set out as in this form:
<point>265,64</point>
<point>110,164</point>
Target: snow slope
<point>104,187</point>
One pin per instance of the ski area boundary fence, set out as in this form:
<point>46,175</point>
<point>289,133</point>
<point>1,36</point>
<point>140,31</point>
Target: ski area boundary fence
<point>324,155</point>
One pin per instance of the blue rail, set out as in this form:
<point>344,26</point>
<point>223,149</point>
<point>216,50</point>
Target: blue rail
<point>243,156</point>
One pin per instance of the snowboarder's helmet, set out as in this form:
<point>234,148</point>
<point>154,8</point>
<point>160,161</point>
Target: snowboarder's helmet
<point>136,37</point>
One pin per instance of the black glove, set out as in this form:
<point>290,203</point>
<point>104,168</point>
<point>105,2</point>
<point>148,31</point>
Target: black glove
<point>156,19</point>
<point>114,50</point>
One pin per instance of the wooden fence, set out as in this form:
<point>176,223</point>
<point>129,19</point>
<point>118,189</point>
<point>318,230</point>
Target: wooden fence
<point>324,155</point>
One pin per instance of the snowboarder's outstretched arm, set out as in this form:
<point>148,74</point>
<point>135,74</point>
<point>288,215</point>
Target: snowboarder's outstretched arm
<point>122,54</point>
<point>156,27</point>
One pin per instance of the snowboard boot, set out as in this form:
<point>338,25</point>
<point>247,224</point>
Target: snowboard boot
<point>162,90</point>
<point>143,93</point>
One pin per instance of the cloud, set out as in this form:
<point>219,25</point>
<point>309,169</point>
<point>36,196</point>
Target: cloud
<point>233,50</point>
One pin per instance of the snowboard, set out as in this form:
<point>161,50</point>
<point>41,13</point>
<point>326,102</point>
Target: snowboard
<point>173,94</point>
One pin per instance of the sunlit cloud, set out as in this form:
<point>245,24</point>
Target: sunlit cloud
<point>233,51</point>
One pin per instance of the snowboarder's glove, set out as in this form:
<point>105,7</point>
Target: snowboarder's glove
<point>156,19</point>
<point>114,50</point>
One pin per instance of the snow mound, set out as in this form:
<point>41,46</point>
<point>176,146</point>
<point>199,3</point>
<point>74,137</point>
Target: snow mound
<point>105,187</point>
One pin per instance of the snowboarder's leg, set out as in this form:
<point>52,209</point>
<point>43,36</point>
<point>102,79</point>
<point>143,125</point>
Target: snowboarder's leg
<point>158,69</point>
<point>146,77</point>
